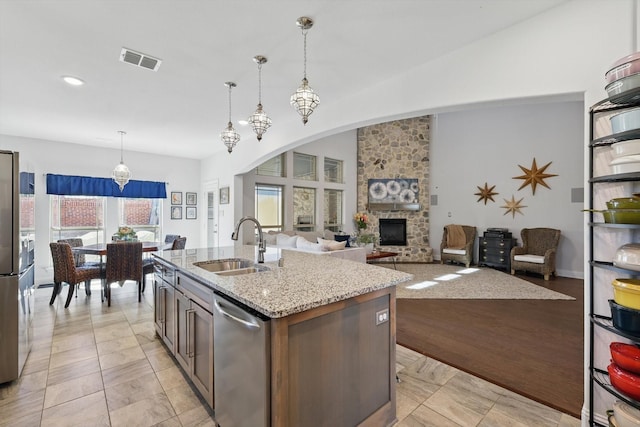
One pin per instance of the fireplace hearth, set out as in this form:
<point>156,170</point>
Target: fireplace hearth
<point>393,232</point>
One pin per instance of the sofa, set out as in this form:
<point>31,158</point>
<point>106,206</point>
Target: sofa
<point>317,242</point>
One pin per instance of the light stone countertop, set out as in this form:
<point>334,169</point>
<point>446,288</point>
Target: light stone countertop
<point>305,281</point>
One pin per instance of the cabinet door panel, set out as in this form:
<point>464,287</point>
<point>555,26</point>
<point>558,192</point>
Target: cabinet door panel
<point>181,309</point>
<point>202,352</point>
<point>169,334</point>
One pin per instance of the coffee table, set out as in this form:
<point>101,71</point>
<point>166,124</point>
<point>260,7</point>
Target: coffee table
<point>383,254</point>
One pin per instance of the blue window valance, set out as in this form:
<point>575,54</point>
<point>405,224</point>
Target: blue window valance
<point>70,185</point>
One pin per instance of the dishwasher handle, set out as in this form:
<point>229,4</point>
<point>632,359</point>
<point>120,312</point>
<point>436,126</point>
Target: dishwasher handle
<point>246,323</point>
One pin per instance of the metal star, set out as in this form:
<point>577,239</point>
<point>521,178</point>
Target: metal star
<point>486,193</point>
<point>534,176</point>
<point>513,206</point>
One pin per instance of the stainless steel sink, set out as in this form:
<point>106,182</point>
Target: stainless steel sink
<point>231,266</point>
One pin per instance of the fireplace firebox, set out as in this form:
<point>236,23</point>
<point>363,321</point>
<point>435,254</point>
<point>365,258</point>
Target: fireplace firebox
<point>393,232</point>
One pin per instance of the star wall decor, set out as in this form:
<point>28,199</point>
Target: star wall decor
<point>534,176</point>
<point>486,193</point>
<point>513,206</point>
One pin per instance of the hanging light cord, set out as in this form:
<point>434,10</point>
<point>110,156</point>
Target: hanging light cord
<point>121,132</point>
<point>304,33</point>
<point>229,103</point>
<point>259,83</point>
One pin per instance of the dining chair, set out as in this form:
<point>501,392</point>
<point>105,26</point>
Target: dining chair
<point>179,243</point>
<point>80,259</point>
<point>66,271</point>
<point>124,262</point>
<point>169,238</point>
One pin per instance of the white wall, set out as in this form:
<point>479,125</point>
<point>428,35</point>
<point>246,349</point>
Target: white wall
<point>472,147</point>
<point>54,157</point>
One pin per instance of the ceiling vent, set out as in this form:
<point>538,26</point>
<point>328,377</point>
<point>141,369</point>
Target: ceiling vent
<point>139,59</point>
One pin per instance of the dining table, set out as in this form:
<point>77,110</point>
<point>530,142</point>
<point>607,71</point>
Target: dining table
<point>101,248</point>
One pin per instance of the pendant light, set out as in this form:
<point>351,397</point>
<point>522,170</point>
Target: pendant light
<point>229,136</point>
<point>304,99</point>
<point>259,119</point>
<point>121,174</point>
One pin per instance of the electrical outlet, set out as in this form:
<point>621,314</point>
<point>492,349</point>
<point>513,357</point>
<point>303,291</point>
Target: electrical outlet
<point>382,316</point>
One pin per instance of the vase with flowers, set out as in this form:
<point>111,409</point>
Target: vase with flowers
<point>126,233</point>
<point>362,220</point>
<point>363,238</point>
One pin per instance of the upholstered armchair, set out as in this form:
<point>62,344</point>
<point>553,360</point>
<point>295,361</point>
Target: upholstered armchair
<point>457,244</point>
<point>538,251</point>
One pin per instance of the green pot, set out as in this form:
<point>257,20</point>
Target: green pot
<point>624,203</point>
<point>622,216</point>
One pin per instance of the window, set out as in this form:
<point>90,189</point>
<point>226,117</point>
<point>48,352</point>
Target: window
<point>333,170</point>
<point>77,216</point>
<point>269,207</point>
<point>143,215</point>
<point>304,167</point>
<point>304,209</point>
<point>333,210</point>
<point>272,167</point>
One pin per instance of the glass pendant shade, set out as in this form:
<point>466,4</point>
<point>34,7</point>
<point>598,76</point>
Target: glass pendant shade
<point>305,100</point>
<point>121,174</point>
<point>259,121</point>
<point>230,137</point>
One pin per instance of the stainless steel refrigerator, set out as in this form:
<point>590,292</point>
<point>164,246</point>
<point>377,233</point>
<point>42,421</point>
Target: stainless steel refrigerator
<point>17,200</point>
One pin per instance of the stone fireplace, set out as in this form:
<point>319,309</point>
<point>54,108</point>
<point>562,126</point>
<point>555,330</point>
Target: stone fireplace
<point>398,149</point>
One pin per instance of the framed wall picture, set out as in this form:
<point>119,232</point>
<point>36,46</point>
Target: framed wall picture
<point>191,212</point>
<point>192,199</point>
<point>176,197</point>
<point>224,196</point>
<point>176,212</point>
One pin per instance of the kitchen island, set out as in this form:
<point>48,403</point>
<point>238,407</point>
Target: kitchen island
<point>329,346</point>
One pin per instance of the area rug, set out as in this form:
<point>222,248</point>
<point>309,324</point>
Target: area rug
<point>439,281</point>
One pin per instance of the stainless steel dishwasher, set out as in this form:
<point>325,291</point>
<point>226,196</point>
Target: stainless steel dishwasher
<point>241,364</point>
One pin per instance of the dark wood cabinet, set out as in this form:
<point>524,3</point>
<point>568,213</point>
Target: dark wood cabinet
<point>163,296</point>
<point>495,251</point>
<point>194,333</point>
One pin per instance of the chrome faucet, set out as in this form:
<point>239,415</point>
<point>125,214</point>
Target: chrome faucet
<point>261,243</point>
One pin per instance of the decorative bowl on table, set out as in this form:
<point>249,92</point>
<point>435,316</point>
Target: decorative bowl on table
<point>126,234</point>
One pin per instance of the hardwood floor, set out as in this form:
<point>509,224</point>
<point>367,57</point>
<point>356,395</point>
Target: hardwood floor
<point>532,347</point>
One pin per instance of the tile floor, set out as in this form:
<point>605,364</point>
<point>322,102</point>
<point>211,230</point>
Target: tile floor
<point>93,365</point>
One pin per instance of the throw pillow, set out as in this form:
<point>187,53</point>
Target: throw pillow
<point>342,238</point>
<point>270,238</point>
<point>332,245</point>
<point>286,241</point>
<point>306,245</point>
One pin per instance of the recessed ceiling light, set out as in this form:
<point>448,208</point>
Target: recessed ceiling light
<point>73,81</point>
<point>243,122</point>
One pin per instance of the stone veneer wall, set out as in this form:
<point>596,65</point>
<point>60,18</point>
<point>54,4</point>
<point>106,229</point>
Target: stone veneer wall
<point>398,149</point>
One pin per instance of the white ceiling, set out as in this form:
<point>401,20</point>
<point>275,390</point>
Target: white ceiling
<point>181,109</point>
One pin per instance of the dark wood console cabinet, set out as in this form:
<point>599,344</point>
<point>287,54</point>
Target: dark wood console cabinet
<point>496,251</point>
